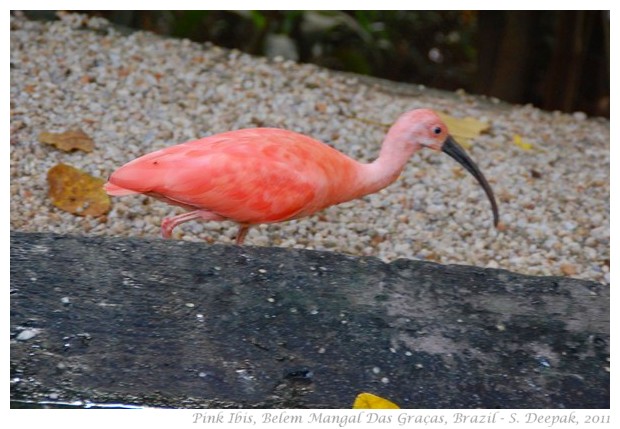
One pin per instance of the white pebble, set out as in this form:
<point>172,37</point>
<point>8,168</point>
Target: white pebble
<point>27,334</point>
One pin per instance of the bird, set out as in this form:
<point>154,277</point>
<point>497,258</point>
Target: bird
<point>255,176</point>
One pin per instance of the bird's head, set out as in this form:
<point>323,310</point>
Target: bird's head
<point>418,129</point>
<point>423,128</point>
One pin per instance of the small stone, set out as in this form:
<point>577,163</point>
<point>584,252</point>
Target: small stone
<point>569,226</point>
<point>27,334</point>
<point>568,269</point>
<point>580,116</point>
<point>492,264</point>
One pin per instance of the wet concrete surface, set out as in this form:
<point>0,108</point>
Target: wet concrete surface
<point>178,324</point>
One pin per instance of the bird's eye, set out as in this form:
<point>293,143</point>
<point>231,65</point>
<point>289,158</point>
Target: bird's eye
<point>437,130</point>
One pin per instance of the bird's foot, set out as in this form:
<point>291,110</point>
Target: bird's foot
<point>243,231</point>
<point>167,225</point>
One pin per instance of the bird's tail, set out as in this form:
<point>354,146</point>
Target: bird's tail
<point>117,191</point>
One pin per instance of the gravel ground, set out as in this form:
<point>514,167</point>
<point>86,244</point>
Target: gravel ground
<point>137,93</point>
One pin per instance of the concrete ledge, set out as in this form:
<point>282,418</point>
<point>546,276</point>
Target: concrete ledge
<point>170,323</point>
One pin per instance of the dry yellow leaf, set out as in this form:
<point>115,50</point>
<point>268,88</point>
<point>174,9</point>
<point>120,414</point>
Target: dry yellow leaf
<point>69,140</point>
<point>370,401</point>
<point>522,143</point>
<point>77,192</point>
<point>463,129</point>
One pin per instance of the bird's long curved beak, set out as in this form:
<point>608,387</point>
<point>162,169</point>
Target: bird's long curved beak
<point>452,148</point>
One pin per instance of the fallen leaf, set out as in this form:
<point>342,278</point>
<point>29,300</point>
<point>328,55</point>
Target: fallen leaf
<point>77,192</point>
<point>370,401</point>
<point>69,140</point>
<point>522,143</point>
<point>464,129</point>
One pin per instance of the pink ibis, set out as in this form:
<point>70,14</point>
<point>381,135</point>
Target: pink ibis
<point>265,175</point>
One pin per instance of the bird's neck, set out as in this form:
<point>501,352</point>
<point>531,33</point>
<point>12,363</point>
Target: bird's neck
<point>384,170</point>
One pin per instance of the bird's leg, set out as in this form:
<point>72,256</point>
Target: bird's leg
<point>243,231</point>
<point>169,223</point>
